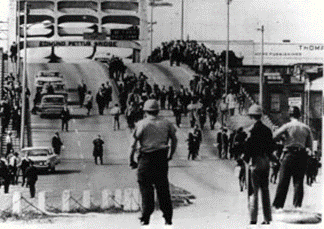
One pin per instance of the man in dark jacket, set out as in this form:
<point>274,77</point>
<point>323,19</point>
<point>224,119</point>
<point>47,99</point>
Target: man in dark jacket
<point>4,173</point>
<point>23,167</point>
<point>57,143</point>
<point>31,175</point>
<point>65,117</point>
<point>258,150</point>
<point>98,149</point>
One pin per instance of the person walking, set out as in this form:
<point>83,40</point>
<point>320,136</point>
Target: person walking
<point>153,134</point>
<point>82,89</point>
<point>31,175</point>
<point>88,102</point>
<point>298,138</point>
<point>9,143</point>
<point>98,149</point>
<point>65,117</point>
<point>23,167</point>
<point>4,173</point>
<point>258,151</point>
<point>100,99</point>
<point>57,143</point>
<point>116,112</point>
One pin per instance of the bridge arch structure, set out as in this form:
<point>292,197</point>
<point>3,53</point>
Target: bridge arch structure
<point>64,23</point>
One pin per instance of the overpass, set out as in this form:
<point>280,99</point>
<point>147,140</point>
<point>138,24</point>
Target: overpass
<point>67,23</point>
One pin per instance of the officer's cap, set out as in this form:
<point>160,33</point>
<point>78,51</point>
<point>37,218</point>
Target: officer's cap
<point>151,105</point>
<point>255,110</point>
<point>294,111</point>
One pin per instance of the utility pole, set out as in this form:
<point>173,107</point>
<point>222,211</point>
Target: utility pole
<point>23,109</point>
<point>261,82</point>
<point>182,18</point>
<point>152,6</point>
<point>18,39</point>
<point>227,46</point>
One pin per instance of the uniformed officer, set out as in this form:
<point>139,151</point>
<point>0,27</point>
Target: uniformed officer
<point>298,137</point>
<point>153,134</point>
<point>258,150</point>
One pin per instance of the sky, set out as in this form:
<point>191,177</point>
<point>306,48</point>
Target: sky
<point>297,20</point>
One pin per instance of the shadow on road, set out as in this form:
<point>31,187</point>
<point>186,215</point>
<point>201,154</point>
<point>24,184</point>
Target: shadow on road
<point>59,172</point>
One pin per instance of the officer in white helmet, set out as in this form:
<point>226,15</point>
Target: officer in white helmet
<point>258,151</point>
<point>153,134</point>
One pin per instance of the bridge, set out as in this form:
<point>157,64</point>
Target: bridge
<point>81,23</point>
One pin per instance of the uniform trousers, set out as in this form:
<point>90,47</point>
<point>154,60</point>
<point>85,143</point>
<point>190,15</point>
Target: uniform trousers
<point>153,173</point>
<point>293,165</point>
<point>260,181</point>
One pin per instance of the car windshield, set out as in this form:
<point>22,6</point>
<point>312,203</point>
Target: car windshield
<point>36,152</point>
<point>49,74</point>
<point>54,100</point>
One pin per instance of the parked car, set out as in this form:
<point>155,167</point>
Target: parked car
<point>52,104</point>
<point>43,157</point>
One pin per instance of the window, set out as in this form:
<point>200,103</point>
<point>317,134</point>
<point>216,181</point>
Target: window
<point>275,102</point>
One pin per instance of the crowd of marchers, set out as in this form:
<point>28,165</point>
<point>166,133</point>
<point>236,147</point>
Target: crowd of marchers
<point>11,165</point>
<point>206,99</point>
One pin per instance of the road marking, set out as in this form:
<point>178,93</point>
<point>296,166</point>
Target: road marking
<point>76,131</point>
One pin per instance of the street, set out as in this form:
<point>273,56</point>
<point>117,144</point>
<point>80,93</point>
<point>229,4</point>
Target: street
<point>210,179</point>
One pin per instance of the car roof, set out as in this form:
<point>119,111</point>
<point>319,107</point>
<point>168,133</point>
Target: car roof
<point>36,147</point>
<point>53,95</point>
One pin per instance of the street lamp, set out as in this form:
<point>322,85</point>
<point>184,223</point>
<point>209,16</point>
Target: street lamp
<point>261,68</point>
<point>23,108</point>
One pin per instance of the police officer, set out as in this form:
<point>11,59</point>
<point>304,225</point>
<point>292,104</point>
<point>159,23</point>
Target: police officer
<point>258,150</point>
<point>153,134</point>
<point>298,137</point>
<point>31,175</point>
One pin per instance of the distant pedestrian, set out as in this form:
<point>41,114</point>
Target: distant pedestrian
<point>13,52</point>
<point>82,89</point>
<point>115,112</point>
<point>23,167</point>
<point>88,102</point>
<point>100,99</point>
<point>9,142</point>
<point>98,149</point>
<point>65,117</point>
<point>298,138</point>
<point>13,168</point>
<point>57,143</point>
<point>231,102</point>
<point>4,173</point>
<point>153,134</point>
<point>223,110</point>
<point>31,175</point>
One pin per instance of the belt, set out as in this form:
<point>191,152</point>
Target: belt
<point>296,148</point>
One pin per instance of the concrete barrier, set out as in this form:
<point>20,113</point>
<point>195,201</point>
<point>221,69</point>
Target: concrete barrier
<point>127,200</point>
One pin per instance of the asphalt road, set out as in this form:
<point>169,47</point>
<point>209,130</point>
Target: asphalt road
<point>208,177</point>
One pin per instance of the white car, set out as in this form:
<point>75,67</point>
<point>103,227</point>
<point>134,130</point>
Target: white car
<point>43,157</point>
<point>53,77</point>
<point>52,104</point>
